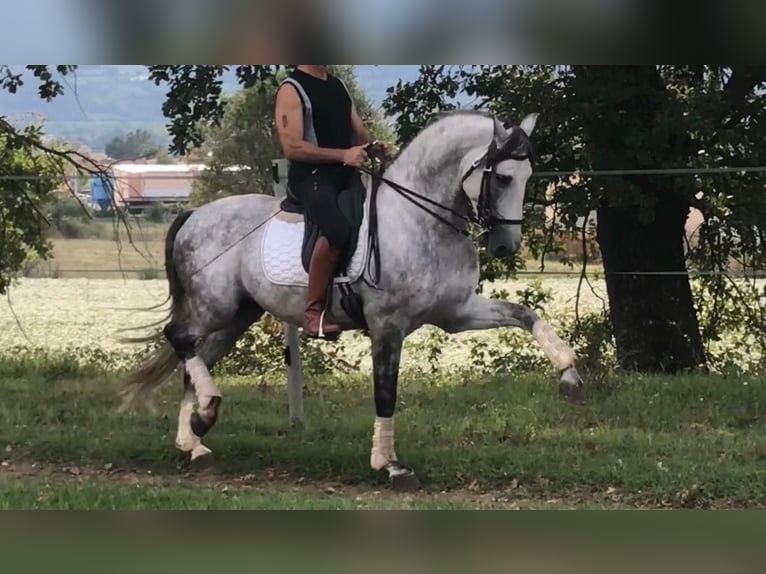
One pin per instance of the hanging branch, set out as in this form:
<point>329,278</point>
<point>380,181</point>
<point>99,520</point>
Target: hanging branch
<point>550,233</point>
<point>81,163</point>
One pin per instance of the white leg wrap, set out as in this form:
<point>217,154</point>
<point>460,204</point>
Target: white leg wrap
<point>559,353</point>
<point>186,440</point>
<point>382,444</point>
<point>202,381</point>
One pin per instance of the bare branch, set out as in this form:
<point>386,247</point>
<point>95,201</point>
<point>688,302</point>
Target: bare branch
<point>583,271</point>
<point>16,317</point>
<point>549,241</point>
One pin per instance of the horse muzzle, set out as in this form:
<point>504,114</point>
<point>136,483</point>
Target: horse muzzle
<point>504,243</point>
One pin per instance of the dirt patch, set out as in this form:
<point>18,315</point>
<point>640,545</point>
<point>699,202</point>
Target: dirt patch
<point>513,497</point>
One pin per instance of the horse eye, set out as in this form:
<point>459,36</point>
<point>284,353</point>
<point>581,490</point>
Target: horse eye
<point>504,179</point>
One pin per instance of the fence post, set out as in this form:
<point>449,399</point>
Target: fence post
<point>292,340</point>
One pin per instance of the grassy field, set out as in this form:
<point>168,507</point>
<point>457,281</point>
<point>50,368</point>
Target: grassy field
<point>102,251</point>
<point>506,442</point>
<point>503,442</point>
<point>102,258</point>
<point>88,313</point>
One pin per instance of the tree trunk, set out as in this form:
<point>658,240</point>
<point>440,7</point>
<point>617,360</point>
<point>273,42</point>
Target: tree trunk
<point>653,316</point>
<point>630,120</point>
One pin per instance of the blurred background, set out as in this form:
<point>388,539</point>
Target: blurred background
<point>489,31</point>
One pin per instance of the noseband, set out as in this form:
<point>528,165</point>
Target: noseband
<point>516,147</point>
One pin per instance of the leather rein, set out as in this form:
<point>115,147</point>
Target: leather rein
<point>513,148</point>
<point>518,148</point>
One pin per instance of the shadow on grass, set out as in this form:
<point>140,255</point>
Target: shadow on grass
<point>658,438</point>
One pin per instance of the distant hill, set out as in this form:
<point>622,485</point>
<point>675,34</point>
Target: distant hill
<point>104,101</point>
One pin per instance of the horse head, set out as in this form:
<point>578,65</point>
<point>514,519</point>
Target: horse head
<point>497,190</point>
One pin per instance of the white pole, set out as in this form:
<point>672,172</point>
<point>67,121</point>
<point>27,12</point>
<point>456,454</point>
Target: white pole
<point>292,340</point>
<point>294,375</point>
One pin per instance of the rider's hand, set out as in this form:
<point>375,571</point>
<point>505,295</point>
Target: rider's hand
<point>355,156</point>
<point>381,150</point>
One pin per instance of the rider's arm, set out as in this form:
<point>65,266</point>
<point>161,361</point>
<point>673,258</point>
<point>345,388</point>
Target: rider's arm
<point>289,121</point>
<point>360,134</point>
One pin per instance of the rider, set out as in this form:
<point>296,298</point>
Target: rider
<point>324,139</point>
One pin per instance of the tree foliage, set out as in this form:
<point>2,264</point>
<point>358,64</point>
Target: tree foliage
<point>49,86</point>
<point>633,117</point>
<point>135,144</point>
<point>195,99</point>
<point>30,171</point>
<point>592,118</point>
<point>23,203</point>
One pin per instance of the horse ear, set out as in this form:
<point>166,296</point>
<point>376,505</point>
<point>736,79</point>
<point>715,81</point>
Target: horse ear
<point>501,134</point>
<point>528,124</point>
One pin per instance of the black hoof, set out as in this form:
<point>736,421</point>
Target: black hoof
<point>571,386</point>
<point>402,479</point>
<point>201,425</point>
<point>199,459</point>
<point>201,463</point>
<point>574,393</point>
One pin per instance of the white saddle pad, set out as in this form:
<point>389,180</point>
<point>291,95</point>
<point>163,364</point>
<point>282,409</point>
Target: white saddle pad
<point>281,250</point>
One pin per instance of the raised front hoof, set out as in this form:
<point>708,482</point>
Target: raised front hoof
<point>201,423</point>
<point>572,388</point>
<point>402,479</point>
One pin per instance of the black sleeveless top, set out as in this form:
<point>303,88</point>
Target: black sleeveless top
<point>329,124</point>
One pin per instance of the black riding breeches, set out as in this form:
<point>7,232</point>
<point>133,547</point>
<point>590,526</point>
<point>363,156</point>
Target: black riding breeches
<point>319,199</point>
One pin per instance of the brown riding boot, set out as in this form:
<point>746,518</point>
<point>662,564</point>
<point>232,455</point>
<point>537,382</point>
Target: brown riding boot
<point>324,262</point>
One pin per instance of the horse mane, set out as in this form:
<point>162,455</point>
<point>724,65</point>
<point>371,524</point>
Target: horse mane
<point>518,141</point>
<point>438,117</point>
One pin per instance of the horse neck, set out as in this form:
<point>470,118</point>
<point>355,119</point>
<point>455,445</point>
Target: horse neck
<point>432,163</point>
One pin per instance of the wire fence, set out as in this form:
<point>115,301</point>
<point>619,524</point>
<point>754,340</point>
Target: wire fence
<point>158,271</point>
<point>194,173</point>
<point>544,174</point>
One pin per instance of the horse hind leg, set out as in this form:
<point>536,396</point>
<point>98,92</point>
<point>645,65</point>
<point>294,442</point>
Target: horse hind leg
<point>186,439</point>
<point>202,399</point>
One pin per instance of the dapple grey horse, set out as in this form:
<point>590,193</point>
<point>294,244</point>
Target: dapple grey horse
<point>463,167</point>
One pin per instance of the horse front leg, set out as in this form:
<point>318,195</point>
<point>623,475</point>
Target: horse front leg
<point>480,313</point>
<point>386,357</point>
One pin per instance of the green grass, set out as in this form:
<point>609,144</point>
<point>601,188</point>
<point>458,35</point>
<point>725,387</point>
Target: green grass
<point>689,441</point>
<point>38,495</point>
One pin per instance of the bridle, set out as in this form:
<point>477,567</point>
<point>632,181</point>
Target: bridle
<point>517,147</point>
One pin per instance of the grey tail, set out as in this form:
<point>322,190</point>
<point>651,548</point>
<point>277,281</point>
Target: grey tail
<point>138,386</point>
